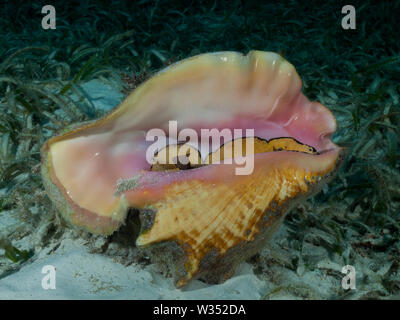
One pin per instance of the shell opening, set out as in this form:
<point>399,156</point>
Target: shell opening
<point>183,156</point>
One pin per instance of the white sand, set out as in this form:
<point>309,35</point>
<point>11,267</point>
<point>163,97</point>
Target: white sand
<point>82,275</point>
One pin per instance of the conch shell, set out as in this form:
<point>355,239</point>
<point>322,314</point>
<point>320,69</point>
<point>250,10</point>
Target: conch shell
<point>201,220</point>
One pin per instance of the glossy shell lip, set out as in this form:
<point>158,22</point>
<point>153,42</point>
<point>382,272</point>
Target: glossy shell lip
<point>96,172</point>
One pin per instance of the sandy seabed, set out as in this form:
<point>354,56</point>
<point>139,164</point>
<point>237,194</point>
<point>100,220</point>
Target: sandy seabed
<point>83,274</point>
